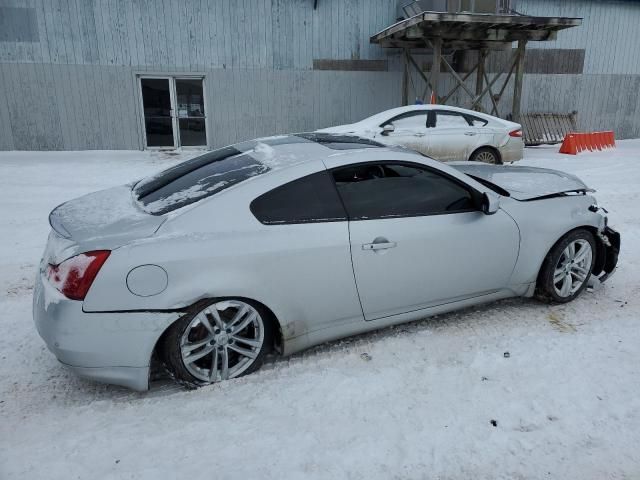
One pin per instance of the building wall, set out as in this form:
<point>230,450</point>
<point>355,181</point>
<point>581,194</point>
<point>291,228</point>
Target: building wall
<point>68,73</point>
<point>68,67</point>
<point>605,94</point>
<point>597,65</point>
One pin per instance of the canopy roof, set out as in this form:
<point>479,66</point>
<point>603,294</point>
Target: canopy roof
<point>470,30</point>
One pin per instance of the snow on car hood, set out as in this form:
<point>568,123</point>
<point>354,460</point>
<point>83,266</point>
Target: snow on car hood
<point>524,183</point>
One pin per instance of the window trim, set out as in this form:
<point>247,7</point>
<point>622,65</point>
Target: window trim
<point>471,118</point>
<point>303,222</point>
<point>451,113</point>
<point>412,113</point>
<point>467,116</point>
<point>476,196</point>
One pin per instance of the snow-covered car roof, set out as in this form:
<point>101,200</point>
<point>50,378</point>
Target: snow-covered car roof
<point>212,172</point>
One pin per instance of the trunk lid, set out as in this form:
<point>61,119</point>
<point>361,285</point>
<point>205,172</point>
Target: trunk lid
<point>108,217</point>
<point>524,183</point>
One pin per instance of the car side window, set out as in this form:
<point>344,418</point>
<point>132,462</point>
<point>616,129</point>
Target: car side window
<point>386,190</point>
<point>309,199</point>
<point>413,121</point>
<point>446,119</point>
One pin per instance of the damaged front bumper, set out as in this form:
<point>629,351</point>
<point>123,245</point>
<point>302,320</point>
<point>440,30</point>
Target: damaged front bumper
<point>608,250</point>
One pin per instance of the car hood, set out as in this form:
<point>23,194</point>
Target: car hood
<point>110,217</point>
<point>524,183</point>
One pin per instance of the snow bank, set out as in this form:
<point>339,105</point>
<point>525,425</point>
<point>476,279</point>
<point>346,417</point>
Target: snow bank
<point>416,401</point>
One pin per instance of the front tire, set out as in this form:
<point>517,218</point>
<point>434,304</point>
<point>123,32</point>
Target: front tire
<point>566,270</point>
<point>218,341</point>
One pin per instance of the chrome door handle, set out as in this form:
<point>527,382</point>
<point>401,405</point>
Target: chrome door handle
<point>418,134</point>
<point>470,134</point>
<point>379,245</point>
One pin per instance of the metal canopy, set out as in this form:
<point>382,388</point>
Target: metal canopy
<point>446,32</point>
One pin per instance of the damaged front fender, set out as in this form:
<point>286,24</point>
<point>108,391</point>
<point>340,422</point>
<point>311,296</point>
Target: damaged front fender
<point>608,249</point>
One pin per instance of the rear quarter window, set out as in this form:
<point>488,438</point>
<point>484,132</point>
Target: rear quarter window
<point>476,121</point>
<point>310,199</point>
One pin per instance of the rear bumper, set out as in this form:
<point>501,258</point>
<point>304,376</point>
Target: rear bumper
<point>512,151</point>
<point>135,378</point>
<point>111,348</point>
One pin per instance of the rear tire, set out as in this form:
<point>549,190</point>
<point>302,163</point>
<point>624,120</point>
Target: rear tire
<point>219,340</point>
<point>567,268</point>
<point>486,155</point>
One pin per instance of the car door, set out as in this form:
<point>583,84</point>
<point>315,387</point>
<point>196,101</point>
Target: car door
<point>301,254</point>
<point>418,240</point>
<point>452,136</point>
<point>409,130</point>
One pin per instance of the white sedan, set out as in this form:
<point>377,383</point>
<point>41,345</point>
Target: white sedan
<point>443,133</point>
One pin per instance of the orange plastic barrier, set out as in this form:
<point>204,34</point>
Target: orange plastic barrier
<point>575,143</point>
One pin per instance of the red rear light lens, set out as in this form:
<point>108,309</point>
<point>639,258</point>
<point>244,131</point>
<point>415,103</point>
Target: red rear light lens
<point>74,276</point>
<point>516,133</point>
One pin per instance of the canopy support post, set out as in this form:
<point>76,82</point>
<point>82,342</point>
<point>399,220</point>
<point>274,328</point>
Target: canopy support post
<point>482,55</point>
<point>517,88</point>
<point>435,68</point>
<point>405,78</point>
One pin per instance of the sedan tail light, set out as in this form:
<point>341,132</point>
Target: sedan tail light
<point>516,133</point>
<point>74,276</point>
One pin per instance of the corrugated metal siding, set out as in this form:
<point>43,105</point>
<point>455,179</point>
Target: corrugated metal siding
<point>604,95</point>
<point>76,88</point>
<point>609,32</point>
<point>196,34</point>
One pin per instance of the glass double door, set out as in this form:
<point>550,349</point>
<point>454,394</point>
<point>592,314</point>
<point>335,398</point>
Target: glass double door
<point>174,113</point>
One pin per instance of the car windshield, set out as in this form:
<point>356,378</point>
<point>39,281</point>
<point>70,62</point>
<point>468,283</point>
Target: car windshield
<point>196,179</point>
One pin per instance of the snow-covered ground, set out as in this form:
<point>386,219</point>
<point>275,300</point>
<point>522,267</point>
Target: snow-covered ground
<point>420,404</point>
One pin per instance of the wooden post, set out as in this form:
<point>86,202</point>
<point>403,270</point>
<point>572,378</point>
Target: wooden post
<point>435,68</point>
<point>457,77</point>
<point>482,54</point>
<point>405,78</point>
<point>517,88</point>
<point>421,73</point>
<point>457,85</point>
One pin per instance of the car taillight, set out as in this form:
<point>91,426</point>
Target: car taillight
<point>74,276</point>
<point>516,133</point>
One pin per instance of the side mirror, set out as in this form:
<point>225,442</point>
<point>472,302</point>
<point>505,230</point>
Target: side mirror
<point>490,203</point>
<point>387,129</point>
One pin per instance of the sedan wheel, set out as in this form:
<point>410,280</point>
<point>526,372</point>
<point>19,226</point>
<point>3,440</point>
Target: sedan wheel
<point>223,340</point>
<point>485,155</point>
<point>567,268</point>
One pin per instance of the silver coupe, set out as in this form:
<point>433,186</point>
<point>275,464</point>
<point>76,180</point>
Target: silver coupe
<point>281,243</point>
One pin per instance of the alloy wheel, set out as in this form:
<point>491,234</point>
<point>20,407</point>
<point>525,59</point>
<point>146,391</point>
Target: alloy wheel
<point>222,340</point>
<point>486,156</point>
<point>573,268</point>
